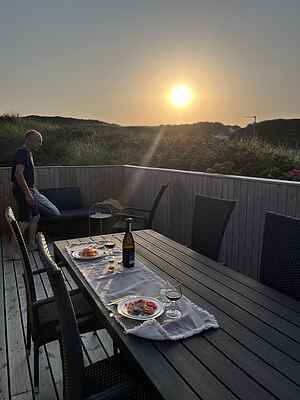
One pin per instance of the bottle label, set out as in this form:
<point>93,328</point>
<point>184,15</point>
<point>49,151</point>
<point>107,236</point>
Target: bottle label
<point>128,258</point>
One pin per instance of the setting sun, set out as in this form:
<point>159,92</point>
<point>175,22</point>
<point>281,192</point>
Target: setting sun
<point>180,96</point>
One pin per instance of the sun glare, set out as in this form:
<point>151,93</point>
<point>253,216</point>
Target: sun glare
<point>180,96</point>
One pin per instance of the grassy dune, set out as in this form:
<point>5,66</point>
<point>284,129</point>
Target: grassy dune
<point>191,147</point>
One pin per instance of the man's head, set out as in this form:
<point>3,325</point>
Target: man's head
<point>33,140</point>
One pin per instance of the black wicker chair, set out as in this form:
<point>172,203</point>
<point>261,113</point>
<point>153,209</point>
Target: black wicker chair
<point>210,219</point>
<point>280,259</point>
<point>42,318</point>
<point>142,218</point>
<point>105,380</point>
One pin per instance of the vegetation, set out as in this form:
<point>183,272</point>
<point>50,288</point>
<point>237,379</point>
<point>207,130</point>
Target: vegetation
<point>196,147</point>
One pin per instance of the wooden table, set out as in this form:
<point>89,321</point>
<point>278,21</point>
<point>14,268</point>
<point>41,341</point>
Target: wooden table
<point>255,354</point>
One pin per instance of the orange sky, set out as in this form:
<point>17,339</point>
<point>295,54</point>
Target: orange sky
<point>117,60</point>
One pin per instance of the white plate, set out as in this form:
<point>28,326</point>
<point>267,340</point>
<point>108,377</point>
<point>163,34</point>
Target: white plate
<point>122,309</point>
<point>98,245</point>
<point>78,256</point>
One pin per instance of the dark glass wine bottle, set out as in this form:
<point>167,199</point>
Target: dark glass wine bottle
<point>128,246</point>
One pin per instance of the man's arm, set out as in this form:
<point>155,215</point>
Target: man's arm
<point>19,175</point>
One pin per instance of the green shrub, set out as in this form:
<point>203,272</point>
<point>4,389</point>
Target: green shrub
<point>190,147</point>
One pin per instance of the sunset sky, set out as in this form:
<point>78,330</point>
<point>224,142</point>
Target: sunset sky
<point>118,60</point>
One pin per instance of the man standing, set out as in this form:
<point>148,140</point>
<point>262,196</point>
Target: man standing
<point>23,181</point>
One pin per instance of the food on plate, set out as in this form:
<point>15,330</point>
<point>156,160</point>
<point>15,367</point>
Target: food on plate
<point>89,252</point>
<point>141,307</point>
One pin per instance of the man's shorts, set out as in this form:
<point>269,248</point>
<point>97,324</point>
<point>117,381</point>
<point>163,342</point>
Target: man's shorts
<point>25,212</point>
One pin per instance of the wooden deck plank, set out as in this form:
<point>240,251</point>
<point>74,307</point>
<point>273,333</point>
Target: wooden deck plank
<point>19,366</point>
<point>4,378</point>
<point>18,363</point>
<point>47,387</point>
<point>23,396</point>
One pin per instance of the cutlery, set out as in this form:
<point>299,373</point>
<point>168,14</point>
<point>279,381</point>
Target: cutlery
<point>116,301</point>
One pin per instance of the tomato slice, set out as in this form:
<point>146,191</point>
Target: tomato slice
<point>151,304</point>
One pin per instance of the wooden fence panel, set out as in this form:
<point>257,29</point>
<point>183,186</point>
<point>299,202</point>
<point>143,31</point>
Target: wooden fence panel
<point>138,186</point>
<point>242,242</point>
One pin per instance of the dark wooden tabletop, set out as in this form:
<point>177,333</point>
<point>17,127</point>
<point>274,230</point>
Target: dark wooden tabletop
<point>255,354</point>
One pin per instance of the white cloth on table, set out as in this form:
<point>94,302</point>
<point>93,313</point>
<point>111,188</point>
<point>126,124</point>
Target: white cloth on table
<point>142,281</point>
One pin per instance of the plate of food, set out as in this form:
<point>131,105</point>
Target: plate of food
<point>87,253</point>
<point>140,307</point>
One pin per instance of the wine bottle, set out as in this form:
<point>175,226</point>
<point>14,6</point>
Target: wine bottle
<point>128,246</point>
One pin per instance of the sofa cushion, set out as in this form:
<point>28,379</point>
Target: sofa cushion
<point>67,198</point>
<point>67,215</point>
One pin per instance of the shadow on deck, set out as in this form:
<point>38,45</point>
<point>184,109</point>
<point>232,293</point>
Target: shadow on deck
<point>16,367</point>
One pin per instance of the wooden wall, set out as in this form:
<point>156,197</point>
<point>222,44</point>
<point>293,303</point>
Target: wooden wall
<point>137,186</point>
<point>243,238</point>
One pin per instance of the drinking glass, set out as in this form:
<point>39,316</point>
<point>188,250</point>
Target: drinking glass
<point>174,293</point>
<point>110,244</point>
<point>98,211</point>
<point>163,294</point>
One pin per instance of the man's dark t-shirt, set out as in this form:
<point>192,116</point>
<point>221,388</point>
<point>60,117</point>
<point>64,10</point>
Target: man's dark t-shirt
<point>25,211</point>
<point>23,156</point>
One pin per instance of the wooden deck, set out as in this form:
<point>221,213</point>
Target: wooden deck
<point>16,367</point>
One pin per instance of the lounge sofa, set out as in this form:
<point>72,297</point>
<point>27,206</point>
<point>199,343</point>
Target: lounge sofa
<point>74,218</point>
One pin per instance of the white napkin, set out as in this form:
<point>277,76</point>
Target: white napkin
<point>192,321</point>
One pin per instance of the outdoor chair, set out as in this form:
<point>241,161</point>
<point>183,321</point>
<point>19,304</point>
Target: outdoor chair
<point>280,259</point>
<point>210,218</point>
<point>142,218</point>
<point>42,318</point>
<point>106,379</point>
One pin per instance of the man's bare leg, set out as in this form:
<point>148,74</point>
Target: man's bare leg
<point>32,232</point>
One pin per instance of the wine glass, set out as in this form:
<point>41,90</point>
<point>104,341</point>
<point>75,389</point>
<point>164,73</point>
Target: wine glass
<point>174,293</point>
<point>110,244</point>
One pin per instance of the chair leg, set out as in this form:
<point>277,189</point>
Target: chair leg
<point>28,337</point>
<point>36,368</point>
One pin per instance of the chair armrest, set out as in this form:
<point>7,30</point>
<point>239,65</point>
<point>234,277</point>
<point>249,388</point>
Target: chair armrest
<point>136,209</point>
<point>42,270</point>
<point>38,271</point>
<point>60,264</point>
<point>40,302</point>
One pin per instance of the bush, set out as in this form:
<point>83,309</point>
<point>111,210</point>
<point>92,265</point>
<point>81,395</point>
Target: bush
<point>190,147</point>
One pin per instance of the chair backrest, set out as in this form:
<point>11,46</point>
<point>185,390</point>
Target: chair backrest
<point>156,204</point>
<point>16,231</point>
<point>210,219</point>
<point>70,344</point>
<point>280,259</point>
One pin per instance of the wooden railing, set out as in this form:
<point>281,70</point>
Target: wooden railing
<point>138,186</point>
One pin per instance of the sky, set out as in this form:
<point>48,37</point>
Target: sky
<point>117,60</point>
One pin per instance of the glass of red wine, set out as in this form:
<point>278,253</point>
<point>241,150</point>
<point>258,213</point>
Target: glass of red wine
<point>110,245</point>
<point>174,293</point>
